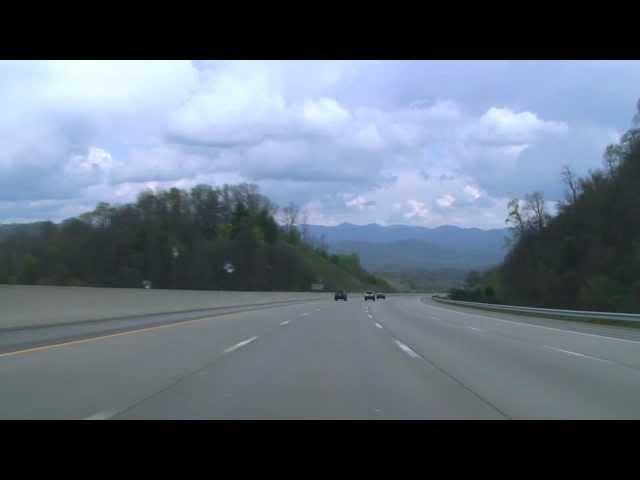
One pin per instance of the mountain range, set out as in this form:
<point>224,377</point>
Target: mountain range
<point>405,247</point>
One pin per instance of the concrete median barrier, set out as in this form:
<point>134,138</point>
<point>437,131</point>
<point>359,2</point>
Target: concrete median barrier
<point>24,306</point>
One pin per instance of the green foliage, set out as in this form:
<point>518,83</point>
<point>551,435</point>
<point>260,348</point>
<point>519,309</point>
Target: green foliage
<point>293,236</point>
<point>489,292</point>
<point>342,272</point>
<point>588,256</point>
<point>479,287</point>
<point>30,269</point>
<point>175,239</point>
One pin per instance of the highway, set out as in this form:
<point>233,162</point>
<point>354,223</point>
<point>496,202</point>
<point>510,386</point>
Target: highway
<point>405,357</point>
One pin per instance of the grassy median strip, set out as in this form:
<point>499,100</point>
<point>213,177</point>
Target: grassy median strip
<point>597,321</point>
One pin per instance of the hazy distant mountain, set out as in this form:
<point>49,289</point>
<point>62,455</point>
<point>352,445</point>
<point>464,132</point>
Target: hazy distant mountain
<point>447,235</point>
<point>400,247</point>
<point>411,254</point>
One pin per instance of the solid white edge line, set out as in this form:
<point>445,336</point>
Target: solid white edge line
<point>240,344</point>
<point>568,352</point>
<point>525,324</point>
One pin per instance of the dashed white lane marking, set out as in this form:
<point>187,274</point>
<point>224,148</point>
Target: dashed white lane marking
<point>378,325</point>
<point>240,344</point>
<point>524,324</point>
<point>304,314</point>
<point>476,329</point>
<point>569,352</point>
<point>406,349</point>
<point>285,322</point>
<point>102,415</point>
<point>369,315</point>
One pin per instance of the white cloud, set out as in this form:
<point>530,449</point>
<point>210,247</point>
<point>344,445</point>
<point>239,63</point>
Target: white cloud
<point>416,200</point>
<point>417,209</point>
<point>117,86</point>
<point>74,133</point>
<point>472,192</point>
<point>369,138</point>
<point>237,105</point>
<point>446,200</point>
<point>504,126</point>
<point>441,110</point>
<point>95,161</point>
<point>325,114</point>
<point>359,203</point>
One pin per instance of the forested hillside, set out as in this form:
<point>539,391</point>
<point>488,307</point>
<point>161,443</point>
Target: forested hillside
<point>588,255</point>
<point>207,238</point>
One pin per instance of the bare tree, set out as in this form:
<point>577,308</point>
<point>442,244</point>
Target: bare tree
<point>612,157</point>
<point>515,218</point>
<point>532,216</point>
<point>636,117</point>
<point>570,179</point>
<point>535,209</point>
<point>290,215</point>
<point>304,232</point>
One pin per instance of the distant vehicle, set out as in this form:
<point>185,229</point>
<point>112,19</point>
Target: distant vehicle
<point>381,295</point>
<point>370,296</point>
<point>340,295</point>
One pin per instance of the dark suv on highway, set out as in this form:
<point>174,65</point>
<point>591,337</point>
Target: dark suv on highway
<point>340,295</point>
<point>381,295</point>
<point>370,296</point>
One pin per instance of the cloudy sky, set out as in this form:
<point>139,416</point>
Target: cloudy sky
<point>422,143</point>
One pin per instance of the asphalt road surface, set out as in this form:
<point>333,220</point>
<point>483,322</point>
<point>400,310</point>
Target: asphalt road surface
<point>405,357</point>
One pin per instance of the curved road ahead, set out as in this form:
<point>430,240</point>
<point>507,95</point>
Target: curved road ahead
<point>401,358</point>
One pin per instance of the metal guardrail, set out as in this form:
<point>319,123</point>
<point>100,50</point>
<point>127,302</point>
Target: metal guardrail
<point>627,317</point>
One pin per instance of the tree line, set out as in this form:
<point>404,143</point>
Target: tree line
<point>224,238</point>
<point>587,256</point>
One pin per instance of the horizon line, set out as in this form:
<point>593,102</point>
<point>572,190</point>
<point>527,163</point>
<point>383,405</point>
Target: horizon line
<point>403,225</point>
